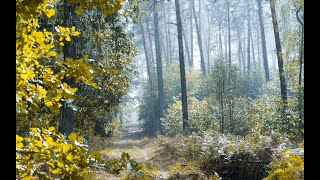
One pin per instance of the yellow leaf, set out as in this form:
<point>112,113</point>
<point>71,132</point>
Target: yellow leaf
<point>94,85</point>
<point>26,176</point>
<point>49,140</point>
<point>52,53</point>
<point>61,44</point>
<point>76,33</point>
<point>39,143</point>
<point>78,10</point>
<point>69,157</point>
<point>49,103</point>
<point>55,171</point>
<point>19,145</point>
<point>50,12</point>
<point>72,136</point>
<point>51,129</point>
<point>67,147</point>
<point>60,164</point>
<point>24,76</point>
<point>85,57</point>
<point>68,38</point>
<point>19,138</point>
<point>80,139</point>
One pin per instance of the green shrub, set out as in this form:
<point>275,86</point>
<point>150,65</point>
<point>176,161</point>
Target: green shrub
<point>200,118</point>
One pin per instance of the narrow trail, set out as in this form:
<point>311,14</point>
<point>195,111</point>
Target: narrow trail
<point>144,150</point>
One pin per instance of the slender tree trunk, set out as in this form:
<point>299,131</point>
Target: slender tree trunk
<point>159,68</point>
<point>162,45</point>
<point>191,34</point>
<point>301,56</point>
<point>283,84</point>
<point>226,44</point>
<point>151,48</point>
<point>186,44</point>
<point>229,73</point>
<point>182,71</point>
<point>229,34</point>
<point>220,42</point>
<point>222,107</point>
<point>207,42</point>
<point>301,53</point>
<point>244,53</point>
<point>145,52</point>
<point>69,51</point>
<point>248,42</point>
<point>170,46</point>
<point>241,58</point>
<point>253,54</point>
<point>263,42</point>
<point>202,62</point>
<point>259,59</point>
<point>166,32</point>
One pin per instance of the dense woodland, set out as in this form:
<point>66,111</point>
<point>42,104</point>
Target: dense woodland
<point>160,89</point>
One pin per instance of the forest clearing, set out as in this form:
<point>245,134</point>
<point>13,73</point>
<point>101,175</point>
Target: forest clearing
<point>160,89</point>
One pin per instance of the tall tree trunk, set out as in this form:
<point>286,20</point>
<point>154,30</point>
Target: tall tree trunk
<point>283,84</point>
<point>207,43</point>
<point>170,46</point>
<point>241,58</point>
<point>244,53</point>
<point>186,44</point>
<point>166,31</point>
<point>229,34</point>
<point>182,71</point>
<point>263,42</point>
<point>151,49</point>
<point>191,34</point>
<point>145,52</point>
<point>162,45</point>
<point>202,62</point>
<point>301,56</point>
<point>226,44</point>
<point>253,54</point>
<point>230,96</point>
<point>259,59</point>
<point>159,68</point>
<point>220,42</point>
<point>301,53</point>
<point>69,51</point>
<point>248,42</point>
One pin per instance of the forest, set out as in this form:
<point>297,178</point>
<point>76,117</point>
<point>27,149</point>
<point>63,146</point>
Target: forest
<point>160,89</point>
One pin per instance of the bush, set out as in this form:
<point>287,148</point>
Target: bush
<point>236,157</point>
<point>200,119</point>
<point>47,154</point>
<point>288,166</point>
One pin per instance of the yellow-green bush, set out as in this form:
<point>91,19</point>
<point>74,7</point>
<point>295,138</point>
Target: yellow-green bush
<point>47,154</point>
<point>288,166</point>
<point>200,118</point>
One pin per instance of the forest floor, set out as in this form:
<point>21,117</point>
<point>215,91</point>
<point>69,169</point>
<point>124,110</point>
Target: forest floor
<point>141,149</point>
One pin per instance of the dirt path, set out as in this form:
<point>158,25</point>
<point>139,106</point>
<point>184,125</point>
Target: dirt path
<point>143,150</point>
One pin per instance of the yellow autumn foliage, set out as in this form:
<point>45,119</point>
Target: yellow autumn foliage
<point>38,83</point>
<point>288,166</point>
<point>47,154</point>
